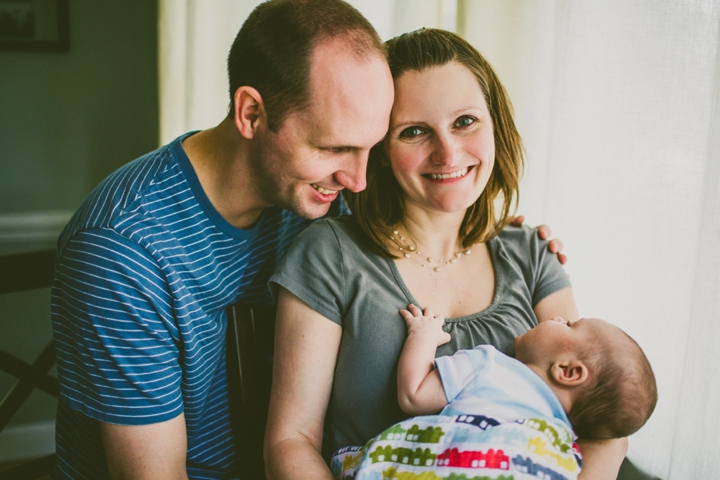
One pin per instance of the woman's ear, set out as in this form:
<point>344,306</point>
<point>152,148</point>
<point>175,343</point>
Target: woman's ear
<point>571,373</point>
<point>248,111</point>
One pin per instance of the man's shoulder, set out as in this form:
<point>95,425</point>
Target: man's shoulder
<point>153,179</point>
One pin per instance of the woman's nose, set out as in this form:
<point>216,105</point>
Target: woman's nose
<point>445,151</point>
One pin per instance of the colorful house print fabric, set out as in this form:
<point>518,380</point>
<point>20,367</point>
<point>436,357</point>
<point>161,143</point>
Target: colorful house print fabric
<point>463,447</point>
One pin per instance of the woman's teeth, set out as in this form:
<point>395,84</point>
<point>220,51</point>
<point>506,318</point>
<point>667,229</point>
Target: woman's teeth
<point>324,191</point>
<point>442,176</point>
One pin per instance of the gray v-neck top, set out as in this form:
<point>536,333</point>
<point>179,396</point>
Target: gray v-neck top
<point>329,268</point>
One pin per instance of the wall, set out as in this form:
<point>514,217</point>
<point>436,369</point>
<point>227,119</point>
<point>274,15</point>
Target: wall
<point>67,120</point>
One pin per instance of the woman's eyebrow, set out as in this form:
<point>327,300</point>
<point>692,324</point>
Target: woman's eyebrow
<point>469,108</point>
<point>422,123</point>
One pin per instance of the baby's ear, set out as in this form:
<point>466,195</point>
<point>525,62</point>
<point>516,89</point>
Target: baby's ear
<point>572,373</point>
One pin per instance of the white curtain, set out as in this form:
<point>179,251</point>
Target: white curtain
<point>619,106</point>
<point>194,38</point>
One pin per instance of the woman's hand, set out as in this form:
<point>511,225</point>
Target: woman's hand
<point>602,458</point>
<point>425,323</point>
<point>544,232</point>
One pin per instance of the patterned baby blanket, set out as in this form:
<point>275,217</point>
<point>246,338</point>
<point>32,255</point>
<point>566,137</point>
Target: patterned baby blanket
<point>463,447</point>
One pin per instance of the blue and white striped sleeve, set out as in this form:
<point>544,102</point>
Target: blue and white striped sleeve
<point>116,338</point>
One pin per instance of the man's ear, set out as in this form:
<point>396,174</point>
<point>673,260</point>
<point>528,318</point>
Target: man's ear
<point>569,373</point>
<point>249,110</point>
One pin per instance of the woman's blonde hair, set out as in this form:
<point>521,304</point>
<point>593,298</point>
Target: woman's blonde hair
<point>380,206</point>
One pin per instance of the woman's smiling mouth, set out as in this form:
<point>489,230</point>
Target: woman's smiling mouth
<point>445,176</point>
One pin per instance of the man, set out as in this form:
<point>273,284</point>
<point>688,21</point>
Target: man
<point>152,258</point>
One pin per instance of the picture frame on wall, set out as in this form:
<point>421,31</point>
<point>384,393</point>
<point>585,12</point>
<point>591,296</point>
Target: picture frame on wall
<point>34,25</point>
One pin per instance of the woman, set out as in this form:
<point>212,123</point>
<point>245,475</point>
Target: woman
<point>428,230</point>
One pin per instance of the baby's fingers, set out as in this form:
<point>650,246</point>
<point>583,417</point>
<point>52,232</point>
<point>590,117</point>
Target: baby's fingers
<point>444,338</point>
<point>407,316</point>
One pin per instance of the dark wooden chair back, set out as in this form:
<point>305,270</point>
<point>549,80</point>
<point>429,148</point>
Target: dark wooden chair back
<point>21,272</point>
<point>250,337</point>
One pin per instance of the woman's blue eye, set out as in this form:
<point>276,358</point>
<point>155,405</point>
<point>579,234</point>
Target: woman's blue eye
<point>464,121</point>
<point>411,132</point>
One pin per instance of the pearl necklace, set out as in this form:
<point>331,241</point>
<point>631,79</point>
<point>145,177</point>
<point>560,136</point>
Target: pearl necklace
<point>408,251</point>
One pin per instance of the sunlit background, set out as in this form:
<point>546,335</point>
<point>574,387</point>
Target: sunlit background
<point>619,106</point>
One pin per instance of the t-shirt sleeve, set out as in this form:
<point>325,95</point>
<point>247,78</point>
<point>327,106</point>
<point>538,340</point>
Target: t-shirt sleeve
<point>114,331</point>
<point>463,368</point>
<point>541,268</point>
<point>313,271</point>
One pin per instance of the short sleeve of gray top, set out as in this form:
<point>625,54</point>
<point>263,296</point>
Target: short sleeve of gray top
<point>330,269</point>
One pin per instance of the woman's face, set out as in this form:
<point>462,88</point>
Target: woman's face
<point>440,143</point>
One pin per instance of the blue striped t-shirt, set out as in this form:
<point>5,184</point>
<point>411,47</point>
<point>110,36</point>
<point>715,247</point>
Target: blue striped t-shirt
<point>144,273</point>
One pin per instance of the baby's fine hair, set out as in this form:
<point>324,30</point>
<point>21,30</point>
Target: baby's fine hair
<point>622,394</point>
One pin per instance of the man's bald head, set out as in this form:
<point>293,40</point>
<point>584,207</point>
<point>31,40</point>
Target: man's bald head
<point>273,50</point>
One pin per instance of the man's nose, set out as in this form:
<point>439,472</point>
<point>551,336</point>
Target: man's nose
<point>444,151</point>
<point>352,175</point>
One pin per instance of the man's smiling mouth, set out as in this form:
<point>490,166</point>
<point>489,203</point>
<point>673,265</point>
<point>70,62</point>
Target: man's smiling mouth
<point>324,191</point>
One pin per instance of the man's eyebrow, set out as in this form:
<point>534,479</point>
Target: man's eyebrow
<point>344,148</point>
<point>408,123</point>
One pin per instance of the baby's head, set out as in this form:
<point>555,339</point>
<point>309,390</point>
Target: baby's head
<point>600,374</point>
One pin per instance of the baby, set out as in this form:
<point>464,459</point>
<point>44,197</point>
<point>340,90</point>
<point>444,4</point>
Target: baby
<point>589,370</point>
<point>502,417</point>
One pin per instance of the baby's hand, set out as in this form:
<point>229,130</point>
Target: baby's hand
<point>425,323</point>
<point>556,319</point>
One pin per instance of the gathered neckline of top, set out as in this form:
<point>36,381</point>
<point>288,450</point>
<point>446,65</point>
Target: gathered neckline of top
<point>495,247</point>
